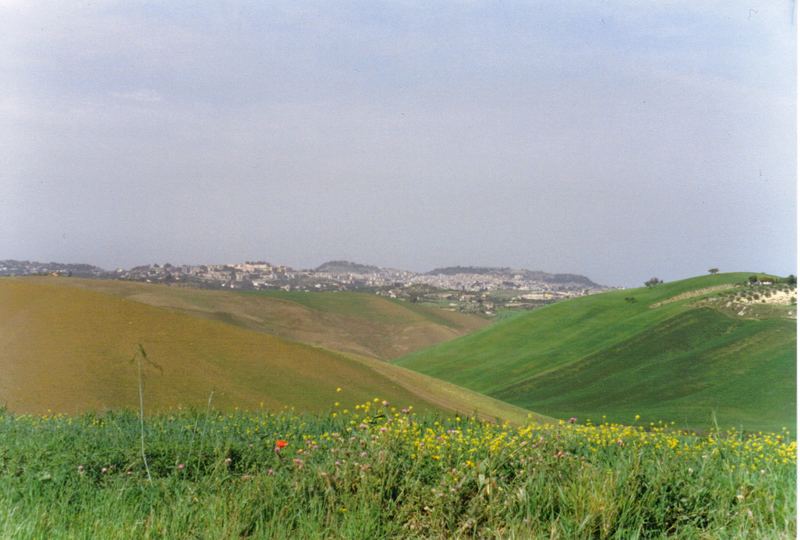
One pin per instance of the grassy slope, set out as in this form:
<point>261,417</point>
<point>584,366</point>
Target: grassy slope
<point>603,355</point>
<point>68,349</point>
<point>360,323</point>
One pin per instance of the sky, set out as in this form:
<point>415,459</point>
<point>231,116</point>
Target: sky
<point>621,140</point>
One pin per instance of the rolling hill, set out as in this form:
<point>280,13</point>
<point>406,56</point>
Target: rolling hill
<point>360,323</point>
<point>674,352</point>
<point>64,348</point>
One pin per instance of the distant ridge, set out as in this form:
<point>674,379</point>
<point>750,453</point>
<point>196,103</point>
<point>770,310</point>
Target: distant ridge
<point>331,275</point>
<point>344,267</point>
<point>15,267</point>
<point>499,271</point>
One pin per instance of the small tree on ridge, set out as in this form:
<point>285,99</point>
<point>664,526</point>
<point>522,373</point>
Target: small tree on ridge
<point>652,282</point>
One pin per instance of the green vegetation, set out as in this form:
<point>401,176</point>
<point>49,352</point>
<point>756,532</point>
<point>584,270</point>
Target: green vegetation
<point>686,353</point>
<point>378,472</point>
<point>652,282</point>
<point>662,351</point>
<point>68,349</point>
<point>360,323</point>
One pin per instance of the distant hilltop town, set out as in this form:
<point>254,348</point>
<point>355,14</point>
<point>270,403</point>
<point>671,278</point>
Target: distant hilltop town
<point>471,289</point>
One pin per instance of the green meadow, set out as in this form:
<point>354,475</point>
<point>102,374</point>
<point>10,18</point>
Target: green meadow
<point>68,349</point>
<point>667,353</point>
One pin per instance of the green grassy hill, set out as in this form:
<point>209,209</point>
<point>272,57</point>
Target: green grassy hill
<point>361,323</point>
<point>67,349</point>
<point>672,353</point>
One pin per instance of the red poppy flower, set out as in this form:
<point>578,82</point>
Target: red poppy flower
<point>280,443</point>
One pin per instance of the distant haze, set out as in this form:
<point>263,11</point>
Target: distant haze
<point>619,140</point>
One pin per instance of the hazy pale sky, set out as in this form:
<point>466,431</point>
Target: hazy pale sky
<point>620,140</point>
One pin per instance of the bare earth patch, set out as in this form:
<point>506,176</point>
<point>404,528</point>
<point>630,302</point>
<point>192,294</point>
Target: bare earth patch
<point>761,302</point>
<point>779,297</point>
<point>693,294</point>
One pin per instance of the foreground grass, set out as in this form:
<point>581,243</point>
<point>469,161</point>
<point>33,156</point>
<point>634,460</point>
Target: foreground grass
<point>375,472</point>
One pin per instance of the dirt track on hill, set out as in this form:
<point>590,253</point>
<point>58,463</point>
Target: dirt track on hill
<point>693,294</point>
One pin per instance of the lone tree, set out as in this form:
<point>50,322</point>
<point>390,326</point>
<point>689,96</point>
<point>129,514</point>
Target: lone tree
<point>791,280</point>
<point>713,270</point>
<point>652,282</point>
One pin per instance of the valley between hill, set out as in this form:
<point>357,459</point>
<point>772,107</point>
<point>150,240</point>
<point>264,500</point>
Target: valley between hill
<point>360,323</point>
